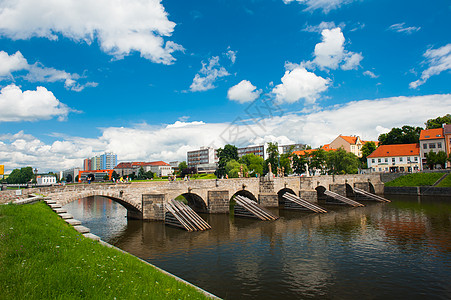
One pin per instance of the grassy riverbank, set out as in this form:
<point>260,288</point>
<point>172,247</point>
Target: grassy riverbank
<point>42,257</point>
<point>415,179</point>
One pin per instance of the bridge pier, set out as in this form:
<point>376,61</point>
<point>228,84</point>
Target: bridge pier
<point>309,195</point>
<point>153,207</point>
<point>218,202</point>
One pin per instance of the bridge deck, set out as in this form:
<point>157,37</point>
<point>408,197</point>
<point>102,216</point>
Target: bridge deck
<point>294,202</point>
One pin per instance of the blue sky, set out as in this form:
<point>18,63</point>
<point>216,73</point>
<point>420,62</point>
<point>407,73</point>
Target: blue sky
<point>150,80</point>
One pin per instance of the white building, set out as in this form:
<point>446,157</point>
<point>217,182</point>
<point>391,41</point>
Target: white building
<point>205,155</point>
<point>395,158</point>
<point>64,175</point>
<point>160,168</point>
<point>46,180</point>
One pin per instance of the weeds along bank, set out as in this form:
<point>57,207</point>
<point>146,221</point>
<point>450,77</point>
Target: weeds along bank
<point>42,257</point>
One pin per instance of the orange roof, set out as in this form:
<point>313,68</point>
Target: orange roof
<point>158,163</point>
<point>304,152</point>
<point>350,139</point>
<point>431,134</point>
<point>327,147</point>
<point>396,150</point>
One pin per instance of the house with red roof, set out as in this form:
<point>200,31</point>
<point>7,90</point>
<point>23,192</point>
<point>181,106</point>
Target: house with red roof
<point>395,158</point>
<point>351,144</point>
<point>160,168</point>
<point>431,140</point>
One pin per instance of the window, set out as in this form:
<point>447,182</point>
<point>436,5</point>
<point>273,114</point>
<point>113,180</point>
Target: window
<point>408,159</point>
<point>439,145</point>
<point>393,159</point>
<point>416,158</point>
<point>431,145</point>
<point>400,159</point>
<point>373,160</point>
<point>386,159</point>
<point>378,160</point>
<point>425,146</point>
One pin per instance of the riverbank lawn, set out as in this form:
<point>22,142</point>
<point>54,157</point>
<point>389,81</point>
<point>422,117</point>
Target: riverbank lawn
<point>445,182</point>
<point>41,257</point>
<point>415,179</point>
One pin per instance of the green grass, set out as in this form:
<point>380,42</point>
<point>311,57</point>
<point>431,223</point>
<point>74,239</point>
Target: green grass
<point>415,179</point>
<point>445,182</point>
<point>42,257</point>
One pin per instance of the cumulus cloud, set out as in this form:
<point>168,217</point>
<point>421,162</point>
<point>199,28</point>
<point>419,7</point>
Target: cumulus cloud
<point>208,74</point>
<point>38,73</point>
<point>243,92</point>
<point>402,28</point>
<point>120,27</point>
<point>321,26</point>
<point>438,60</point>
<point>17,105</point>
<point>330,53</point>
<point>366,118</point>
<point>325,5</point>
<point>298,83</point>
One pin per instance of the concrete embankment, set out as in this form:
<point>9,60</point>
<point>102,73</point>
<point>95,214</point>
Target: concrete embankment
<point>418,190</point>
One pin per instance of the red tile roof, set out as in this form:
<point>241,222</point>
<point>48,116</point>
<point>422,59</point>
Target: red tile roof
<point>431,134</point>
<point>304,152</point>
<point>396,150</point>
<point>350,139</point>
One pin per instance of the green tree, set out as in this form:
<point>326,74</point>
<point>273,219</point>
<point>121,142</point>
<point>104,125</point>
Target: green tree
<point>300,163</point>
<point>441,159</point>
<point>115,175</point>
<point>20,176</point>
<point>285,163</point>
<point>438,122</point>
<point>404,135</point>
<point>233,168</point>
<point>225,155</point>
<point>318,161</point>
<point>254,163</point>
<point>341,162</point>
<point>273,158</point>
<point>182,166</point>
<point>431,159</point>
<point>149,175</point>
<point>367,149</point>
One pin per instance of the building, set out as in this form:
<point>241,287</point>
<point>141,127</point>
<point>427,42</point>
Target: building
<point>70,175</point>
<point>395,158</point>
<point>87,164</point>
<point>205,155</point>
<point>108,161</point>
<point>46,180</point>
<point>160,168</point>
<point>98,175</point>
<point>351,144</point>
<point>291,148</point>
<point>256,150</point>
<point>431,140</point>
<point>447,135</point>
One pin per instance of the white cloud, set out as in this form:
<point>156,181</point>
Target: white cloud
<point>438,60</point>
<point>366,118</point>
<point>325,5</point>
<point>210,72</point>
<point>231,55</point>
<point>370,74</point>
<point>401,27</point>
<point>120,27</point>
<point>243,92</point>
<point>323,25</point>
<point>330,53</point>
<point>17,105</point>
<point>298,83</point>
<point>38,73</point>
<point>11,63</point>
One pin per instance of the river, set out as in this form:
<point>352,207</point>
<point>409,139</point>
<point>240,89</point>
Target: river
<point>391,250</point>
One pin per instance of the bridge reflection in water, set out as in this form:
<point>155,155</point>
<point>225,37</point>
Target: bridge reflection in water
<point>402,248</point>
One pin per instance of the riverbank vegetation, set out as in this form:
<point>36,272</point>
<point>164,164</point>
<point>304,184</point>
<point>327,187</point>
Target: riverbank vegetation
<point>415,179</point>
<point>42,257</point>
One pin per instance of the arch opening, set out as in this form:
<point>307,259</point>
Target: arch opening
<point>246,194</point>
<point>194,201</point>
<point>281,193</point>
<point>320,193</point>
<point>371,188</point>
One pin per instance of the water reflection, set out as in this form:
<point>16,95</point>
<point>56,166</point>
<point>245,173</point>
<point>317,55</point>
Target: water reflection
<point>401,248</point>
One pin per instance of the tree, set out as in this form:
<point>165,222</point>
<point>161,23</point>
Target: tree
<point>367,149</point>
<point>300,163</point>
<point>318,160</point>
<point>106,177</point>
<point>115,175</point>
<point>404,135</point>
<point>188,171</point>
<point>141,173</point>
<point>341,162</point>
<point>225,155</point>
<point>233,168</point>
<point>20,176</point>
<point>438,122</point>
<point>431,159</point>
<point>441,159</point>
<point>69,178</point>
<point>254,163</point>
<point>182,166</point>
<point>285,163</point>
<point>273,157</point>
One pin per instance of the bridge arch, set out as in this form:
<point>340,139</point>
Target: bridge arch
<point>245,193</point>
<point>282,192</point>
<point>195,202</point>
<point>349,191</point>
<point>320,193</point>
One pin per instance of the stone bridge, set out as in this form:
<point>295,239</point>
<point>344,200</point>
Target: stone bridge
<point>145,200</point>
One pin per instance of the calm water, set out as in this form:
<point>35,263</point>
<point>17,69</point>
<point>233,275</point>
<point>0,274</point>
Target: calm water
<point>400,250</point>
